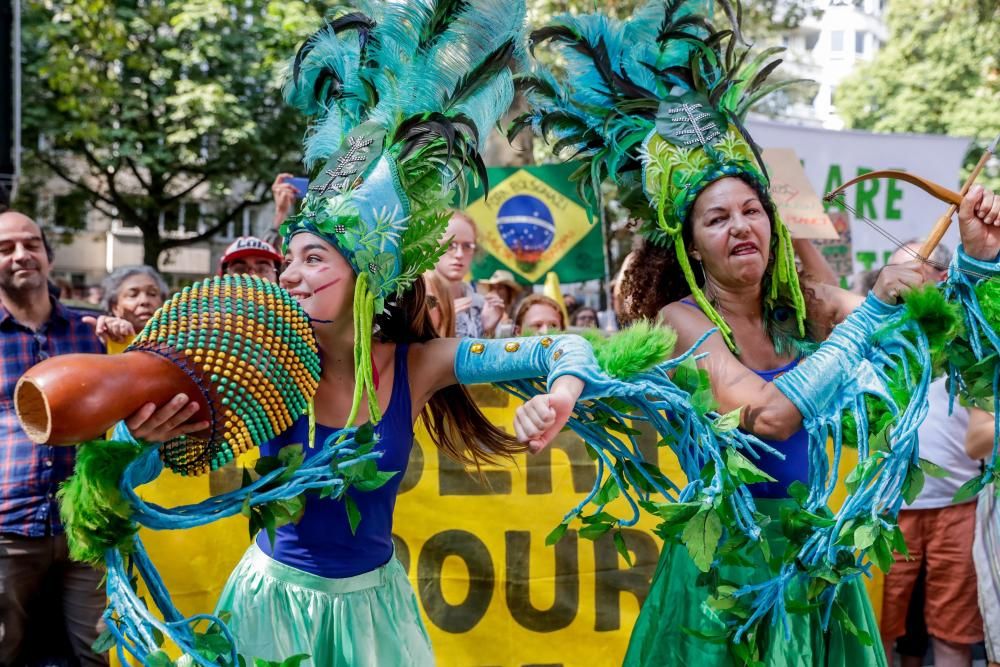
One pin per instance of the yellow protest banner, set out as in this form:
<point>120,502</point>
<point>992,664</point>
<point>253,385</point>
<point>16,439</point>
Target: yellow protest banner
<point>492,593</point>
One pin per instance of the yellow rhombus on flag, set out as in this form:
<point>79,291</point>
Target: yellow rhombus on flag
<point>527,225</point>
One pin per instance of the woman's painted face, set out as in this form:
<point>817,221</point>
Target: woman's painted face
<point>138,298</point>
<point>731,232</point>
<point>318,277</point>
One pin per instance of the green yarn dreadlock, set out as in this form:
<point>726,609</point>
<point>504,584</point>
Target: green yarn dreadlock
<point>364,314</point>
<point>656,104</point>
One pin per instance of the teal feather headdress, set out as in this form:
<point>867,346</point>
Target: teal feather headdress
<point>404,93</point>
<point>656,105</point>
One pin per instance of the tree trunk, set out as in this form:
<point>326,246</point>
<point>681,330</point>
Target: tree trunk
<point>151,245</point>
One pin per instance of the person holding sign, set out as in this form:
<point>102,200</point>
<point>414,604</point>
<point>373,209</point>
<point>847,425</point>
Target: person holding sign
<point>655,103</point>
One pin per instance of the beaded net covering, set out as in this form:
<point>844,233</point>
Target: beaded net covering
<point>250,348</point>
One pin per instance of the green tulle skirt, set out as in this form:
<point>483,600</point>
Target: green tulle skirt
<point>370,620</point>
<point>675,602</point>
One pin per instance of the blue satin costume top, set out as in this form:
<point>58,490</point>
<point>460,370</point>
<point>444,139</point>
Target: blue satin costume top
<point>321,542</point>
<point>795,465</point>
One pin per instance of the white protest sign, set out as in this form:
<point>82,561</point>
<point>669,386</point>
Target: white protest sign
<point>831,158</point>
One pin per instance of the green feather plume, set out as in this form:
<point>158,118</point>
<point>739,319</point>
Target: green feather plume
<point>93,511</point>
<point>655,104</point>
<point>940,320</point>
<point>988,294</point>
<point>633,350</point>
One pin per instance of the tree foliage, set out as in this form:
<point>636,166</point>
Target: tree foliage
<point>939,73</point>
<point>761,18</point>
<point>143,103</point>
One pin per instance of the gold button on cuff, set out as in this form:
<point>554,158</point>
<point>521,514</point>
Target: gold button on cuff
<point>512,347</point>
<point>477,348</point>
<point>546,341</point>
<point>557,355</point>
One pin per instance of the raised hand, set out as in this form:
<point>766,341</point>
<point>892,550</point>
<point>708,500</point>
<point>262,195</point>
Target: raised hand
<point>113,328</point>
<point>896,279</point>
<point>284,198</point>
<point>979,223</point>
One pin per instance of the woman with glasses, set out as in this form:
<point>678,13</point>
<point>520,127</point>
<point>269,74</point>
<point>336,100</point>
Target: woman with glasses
<point>475,315</point>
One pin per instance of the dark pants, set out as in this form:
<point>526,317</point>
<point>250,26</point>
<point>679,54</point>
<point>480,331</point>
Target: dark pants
<point>31,568</point>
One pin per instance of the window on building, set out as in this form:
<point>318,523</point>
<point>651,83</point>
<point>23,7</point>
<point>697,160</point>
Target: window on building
<point>245,226</point>
<point>811,40</point>
<point>170,219</point>
<point>70,211</point>
<point>859,41</point>
<point>191,217</point>
<point>837,41</point>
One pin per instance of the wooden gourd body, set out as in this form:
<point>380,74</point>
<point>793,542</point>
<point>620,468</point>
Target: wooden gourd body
<point>73,398</point>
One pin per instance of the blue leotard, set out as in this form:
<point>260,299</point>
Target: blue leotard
<point>321,542</point>
<point>795,465</point>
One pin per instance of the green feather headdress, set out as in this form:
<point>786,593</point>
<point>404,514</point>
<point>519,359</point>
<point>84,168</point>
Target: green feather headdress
<point>656,104</point>
<point>404,93</point>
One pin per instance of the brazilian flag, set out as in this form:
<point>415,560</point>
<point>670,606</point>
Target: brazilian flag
<point>532,223</point>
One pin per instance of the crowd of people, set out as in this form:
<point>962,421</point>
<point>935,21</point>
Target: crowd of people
<point>34,325</point>
<point>931,600</point>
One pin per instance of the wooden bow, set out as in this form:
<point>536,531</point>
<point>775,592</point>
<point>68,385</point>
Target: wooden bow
<point>935,190</point>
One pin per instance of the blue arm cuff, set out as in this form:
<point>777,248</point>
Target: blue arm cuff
<point>818,382</point>
<point>482,361</point>
<point>976,268</point>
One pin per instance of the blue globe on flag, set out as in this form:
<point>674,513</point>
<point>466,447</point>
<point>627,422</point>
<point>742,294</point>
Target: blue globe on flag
<point>526,226</point>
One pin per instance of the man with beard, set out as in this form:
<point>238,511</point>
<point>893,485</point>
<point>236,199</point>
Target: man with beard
<point>34,562</point>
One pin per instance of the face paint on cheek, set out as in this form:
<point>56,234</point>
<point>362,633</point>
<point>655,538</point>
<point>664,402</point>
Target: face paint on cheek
<point>317,291</point>
<point>325,285</point>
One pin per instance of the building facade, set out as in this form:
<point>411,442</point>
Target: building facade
<point>826,48</point>
<point>89,244</point>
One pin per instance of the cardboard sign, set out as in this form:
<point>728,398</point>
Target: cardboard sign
<point>798,205</point>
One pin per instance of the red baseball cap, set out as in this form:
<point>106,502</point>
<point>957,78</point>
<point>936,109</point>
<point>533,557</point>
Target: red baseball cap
<point>249,246</point>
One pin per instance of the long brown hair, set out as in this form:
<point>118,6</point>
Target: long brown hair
<point>453,420</point>
<point>439,297</point>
